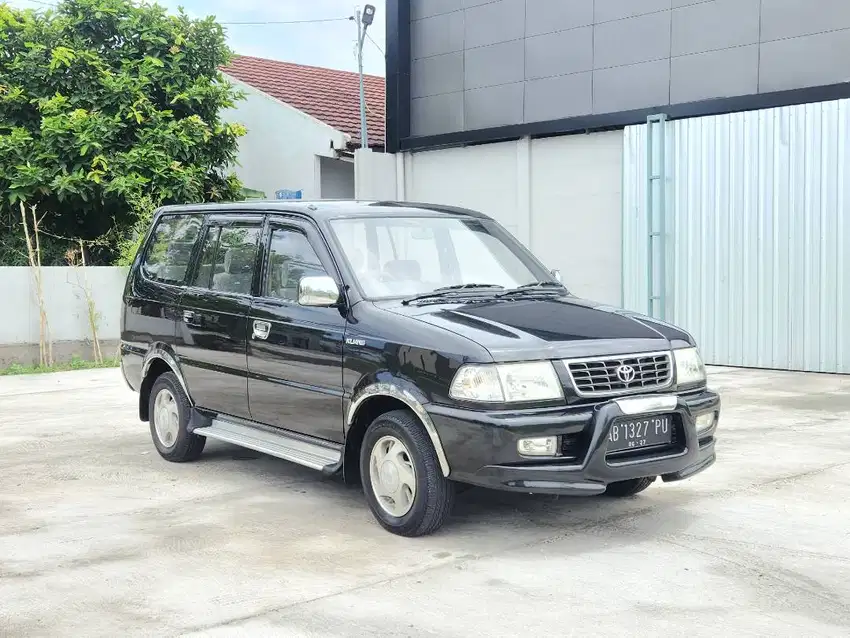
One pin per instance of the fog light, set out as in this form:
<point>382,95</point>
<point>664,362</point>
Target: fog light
<point>540,446</point>
<point>705,422</point>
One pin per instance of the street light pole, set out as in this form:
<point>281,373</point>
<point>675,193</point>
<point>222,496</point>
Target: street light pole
<point>363,22</point>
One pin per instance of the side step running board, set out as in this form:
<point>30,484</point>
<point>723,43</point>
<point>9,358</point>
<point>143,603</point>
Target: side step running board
<point>291,447</point>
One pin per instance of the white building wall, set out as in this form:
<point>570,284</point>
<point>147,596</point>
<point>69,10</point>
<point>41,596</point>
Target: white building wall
<point>560,196</point>
<point>336,178</point>
<point>482,177</point>
<point>281,147</point>
<point>576,199</point>
<point>375,175</point>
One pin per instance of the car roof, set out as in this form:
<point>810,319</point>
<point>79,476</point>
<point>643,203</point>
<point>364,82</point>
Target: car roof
<point>324,209</point>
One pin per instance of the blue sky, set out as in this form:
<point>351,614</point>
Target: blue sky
<point>328,44</point>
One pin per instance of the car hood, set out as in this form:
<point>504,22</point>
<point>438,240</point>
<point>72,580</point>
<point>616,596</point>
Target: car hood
<point>548,328</point>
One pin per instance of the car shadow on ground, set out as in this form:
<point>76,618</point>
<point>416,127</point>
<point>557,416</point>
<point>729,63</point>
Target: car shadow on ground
<point>477,509</point>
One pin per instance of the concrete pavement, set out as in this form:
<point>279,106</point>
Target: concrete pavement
<point>100,537</point>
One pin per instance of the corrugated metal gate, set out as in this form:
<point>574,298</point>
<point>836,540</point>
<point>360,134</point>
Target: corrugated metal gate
<point>747,220</point>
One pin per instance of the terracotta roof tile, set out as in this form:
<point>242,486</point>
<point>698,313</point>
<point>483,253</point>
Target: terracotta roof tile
<point>327,94</point>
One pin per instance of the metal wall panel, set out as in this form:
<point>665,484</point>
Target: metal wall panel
<point>640,54</point>
<point>757,218</point>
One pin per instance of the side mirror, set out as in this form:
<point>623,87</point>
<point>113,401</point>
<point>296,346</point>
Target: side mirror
<point>557,275</point>
<point>318,291</point>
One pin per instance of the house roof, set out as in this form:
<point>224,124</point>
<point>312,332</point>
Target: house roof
<point>328,95</point>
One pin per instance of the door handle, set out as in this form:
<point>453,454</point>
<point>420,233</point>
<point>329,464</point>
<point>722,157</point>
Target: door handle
<point>261,330</point>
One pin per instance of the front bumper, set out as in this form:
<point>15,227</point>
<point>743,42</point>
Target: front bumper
<point>481,447</point>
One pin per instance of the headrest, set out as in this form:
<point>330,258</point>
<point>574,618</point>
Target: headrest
<point>239,260</point>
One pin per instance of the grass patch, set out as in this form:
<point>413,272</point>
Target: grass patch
<point>75,363</point>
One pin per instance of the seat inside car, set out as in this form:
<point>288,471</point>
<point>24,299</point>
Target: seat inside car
<point>238,271</point>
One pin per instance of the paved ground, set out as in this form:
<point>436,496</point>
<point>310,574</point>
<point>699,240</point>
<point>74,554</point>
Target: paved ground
<point>100,537</point>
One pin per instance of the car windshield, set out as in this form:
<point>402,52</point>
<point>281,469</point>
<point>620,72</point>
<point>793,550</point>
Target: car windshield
<point>404,256</point>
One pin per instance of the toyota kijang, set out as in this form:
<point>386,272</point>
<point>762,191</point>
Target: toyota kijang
<point>411,348</point>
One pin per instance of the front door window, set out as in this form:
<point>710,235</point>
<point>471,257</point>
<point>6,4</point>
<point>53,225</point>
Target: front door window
<point>291,257</point>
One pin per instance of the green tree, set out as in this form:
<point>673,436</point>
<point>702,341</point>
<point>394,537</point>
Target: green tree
<point>105,103</point>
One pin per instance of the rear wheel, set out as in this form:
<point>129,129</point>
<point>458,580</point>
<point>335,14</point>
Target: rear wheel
<point>169,411</point>
<point>629,488</point>
<point>401,476</point>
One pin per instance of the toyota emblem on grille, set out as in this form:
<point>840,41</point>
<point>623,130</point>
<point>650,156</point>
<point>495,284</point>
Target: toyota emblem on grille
<point>626,373</point>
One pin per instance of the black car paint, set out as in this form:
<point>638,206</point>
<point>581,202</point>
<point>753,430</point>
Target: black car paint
<point>301,357</point>
<point>482,446</point>
<point>546,328</point>
<point>317,361</point>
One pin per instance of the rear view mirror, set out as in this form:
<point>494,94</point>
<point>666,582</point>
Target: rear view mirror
<point>557,275</point>
<point>318,291</point>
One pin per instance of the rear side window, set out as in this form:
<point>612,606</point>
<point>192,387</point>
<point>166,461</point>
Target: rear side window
<point>228,259</point>
<point>170,249</point>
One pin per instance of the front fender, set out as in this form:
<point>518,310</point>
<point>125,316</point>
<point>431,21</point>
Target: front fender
<point>388,385</point>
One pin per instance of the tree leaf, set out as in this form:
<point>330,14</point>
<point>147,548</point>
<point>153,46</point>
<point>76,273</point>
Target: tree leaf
<point>126,82</point>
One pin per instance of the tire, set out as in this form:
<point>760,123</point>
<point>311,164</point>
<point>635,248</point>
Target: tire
<point>174,443</point>
<point>628,488</point>
<point>431,502</point>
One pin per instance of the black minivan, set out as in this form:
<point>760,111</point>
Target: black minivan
<point>410,347</point>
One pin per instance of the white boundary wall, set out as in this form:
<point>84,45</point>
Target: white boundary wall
<point>560,196</point>
<point>67,312</point>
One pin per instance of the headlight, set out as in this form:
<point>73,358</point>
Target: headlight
<point>506,382</point>
<point>689,367</point>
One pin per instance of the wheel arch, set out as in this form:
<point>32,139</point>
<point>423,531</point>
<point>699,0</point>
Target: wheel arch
<point>379,398</point>
<point>157,362</point>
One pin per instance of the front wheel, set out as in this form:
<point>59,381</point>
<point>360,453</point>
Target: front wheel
<point>401,476</point>
<point>630,487</point>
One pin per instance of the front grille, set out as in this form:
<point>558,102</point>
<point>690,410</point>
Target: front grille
<point>620,375</point>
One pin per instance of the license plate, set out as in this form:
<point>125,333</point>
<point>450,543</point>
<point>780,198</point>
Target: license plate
<point>640,433</point>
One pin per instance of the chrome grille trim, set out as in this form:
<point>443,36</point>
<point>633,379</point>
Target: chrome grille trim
<point>596,376</point>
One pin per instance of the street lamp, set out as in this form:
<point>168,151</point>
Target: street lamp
<point>363,19</point>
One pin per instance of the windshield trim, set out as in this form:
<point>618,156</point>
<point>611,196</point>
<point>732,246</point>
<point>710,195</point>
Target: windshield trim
<point>528,259</point>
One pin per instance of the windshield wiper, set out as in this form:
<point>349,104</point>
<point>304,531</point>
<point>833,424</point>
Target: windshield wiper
<point>535,287</point>
<point>452,291</point>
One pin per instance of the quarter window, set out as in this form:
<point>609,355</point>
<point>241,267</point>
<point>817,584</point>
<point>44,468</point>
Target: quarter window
<point>170,250</point>
<point>291,257</point>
